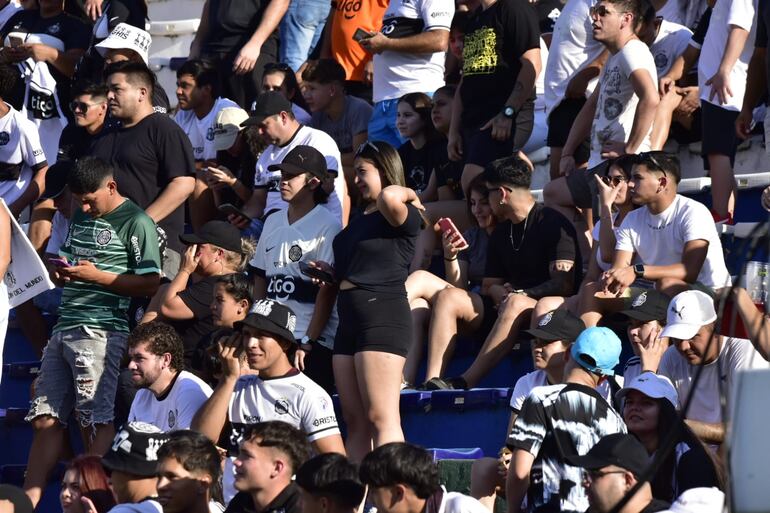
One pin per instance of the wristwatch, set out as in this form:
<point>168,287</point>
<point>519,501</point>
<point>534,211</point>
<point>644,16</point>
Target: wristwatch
<point>306,344</point>
<point>639,270</point>
<point>509,112</point>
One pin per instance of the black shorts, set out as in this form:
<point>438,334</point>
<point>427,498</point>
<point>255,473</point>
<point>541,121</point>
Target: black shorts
<point>582,185</point>
<point>560,123</point>
<point>718,129</point>
<point>684,135</point>
<point>373,321</point>
<point>480,149</point>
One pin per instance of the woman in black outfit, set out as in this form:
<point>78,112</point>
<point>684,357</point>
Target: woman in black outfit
<point>372,256</point>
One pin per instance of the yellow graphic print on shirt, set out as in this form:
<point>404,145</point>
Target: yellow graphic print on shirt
<point>480,52</point>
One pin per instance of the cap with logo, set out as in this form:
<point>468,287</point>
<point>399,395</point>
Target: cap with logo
<point>268,104</point>
<point>219,233</point>
<point>648,305</point>
<point>127,37</point>
<point>558,325</point>
<point>653,386</point>
<point>597,350</point>
<point>302,159</point>
<point>618,449</point>
<point>134,449</point>
<point>271,317</point>
<point>688,312</point>
<point>56,178</point>
<point>226,127</point>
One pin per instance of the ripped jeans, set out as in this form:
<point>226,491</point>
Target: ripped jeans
<point>79,370</point>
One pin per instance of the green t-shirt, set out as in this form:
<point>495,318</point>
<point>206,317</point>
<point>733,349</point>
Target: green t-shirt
<point>124,241</point>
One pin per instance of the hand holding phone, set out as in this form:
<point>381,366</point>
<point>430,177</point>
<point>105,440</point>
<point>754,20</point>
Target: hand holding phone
<point>452,234</point>
<point>360,34</point>
<point>315,272</point>
<point>59,262</point>
<point>230,209</point>
<point>15,41</point>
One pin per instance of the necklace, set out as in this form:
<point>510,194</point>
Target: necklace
<point>523,233</point>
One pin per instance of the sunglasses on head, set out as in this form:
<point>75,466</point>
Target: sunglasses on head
<point>364,145</point>
<point>649,159</point>
<point>277,66</point>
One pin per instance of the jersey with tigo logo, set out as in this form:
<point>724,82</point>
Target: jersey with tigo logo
<point>347,17</point>
<point>293,398</point>
<point>201,130</point>
<point>123,241</point>
<point>20,154</point>
<point>281,248</point>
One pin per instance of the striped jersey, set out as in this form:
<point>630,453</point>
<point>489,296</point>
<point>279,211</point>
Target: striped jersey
<point>124,241</point>
<point>557,421</point>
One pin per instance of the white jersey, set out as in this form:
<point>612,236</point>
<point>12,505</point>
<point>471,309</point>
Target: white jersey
<point>572,49</point>
<point>270,180</point>
<point>20,154</point>
<point>539,378</point>
<point>743,14</point>
<point>616,107</point>
<point>671,42</point>
<point>455,502</point>
<point>659,239</point>
<point>399,73</point>
<point>282,246</point>
<point>735,355</point>
<point>176,409</point>
<point>200,131</point>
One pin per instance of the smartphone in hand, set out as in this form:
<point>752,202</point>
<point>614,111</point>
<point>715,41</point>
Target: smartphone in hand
<point>447,225</point>
<point>230,209</point>
<point>315,272</point>
<point>59,262</point>
<point>360,34</point>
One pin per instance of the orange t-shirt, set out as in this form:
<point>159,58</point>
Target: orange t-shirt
<point>349,16</point>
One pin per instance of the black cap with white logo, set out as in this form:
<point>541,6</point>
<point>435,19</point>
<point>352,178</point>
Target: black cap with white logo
<point>648,305</point>
<point>134,450</point>
<point>302,159</point>
<point>268,104</point>
<point>558,325</point>
<point>271,317</point>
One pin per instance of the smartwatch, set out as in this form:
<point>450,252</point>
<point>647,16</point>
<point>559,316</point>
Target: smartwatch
<point>639,270</point>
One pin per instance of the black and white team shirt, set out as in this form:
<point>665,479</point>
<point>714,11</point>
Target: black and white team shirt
<point>556,421</point>
<point>21,154</point>
<point>399,73</point>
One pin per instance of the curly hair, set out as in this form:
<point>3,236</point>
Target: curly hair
<point>160,338</point>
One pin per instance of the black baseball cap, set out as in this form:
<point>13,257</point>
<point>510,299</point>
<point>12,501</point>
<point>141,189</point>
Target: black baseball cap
<point>268,104</point>
<point>302,159</point>
<point>56,178</point>
<point>619,449</point>
<point>219,233</point>
<point>648,305</point>
<point>271,317</point>
<point>558,325</point>
<point>135,449</point>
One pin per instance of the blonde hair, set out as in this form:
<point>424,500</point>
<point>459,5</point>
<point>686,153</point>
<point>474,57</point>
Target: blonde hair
<point>238,260</point>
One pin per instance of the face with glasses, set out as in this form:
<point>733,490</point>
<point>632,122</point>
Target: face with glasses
<point>616,179</point>
<point>88,110</point>
<point>606,487</point>
<point>607,21</point>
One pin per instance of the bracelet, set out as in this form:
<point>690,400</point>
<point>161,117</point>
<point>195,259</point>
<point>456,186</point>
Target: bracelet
<point>450,259</point>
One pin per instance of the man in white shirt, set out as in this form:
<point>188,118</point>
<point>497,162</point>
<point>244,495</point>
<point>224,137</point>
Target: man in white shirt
<point>409,53</point>
<point>168,396</point>
<point>691,328</point>
<point>275,121</point>
<point>667,237</point>
<point>722,73</point>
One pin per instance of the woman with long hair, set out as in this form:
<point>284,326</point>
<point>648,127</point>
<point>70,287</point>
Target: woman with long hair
<point>650,412</point>
<point>371,262</point>
<point>86,487</point>
<point>423,150</point>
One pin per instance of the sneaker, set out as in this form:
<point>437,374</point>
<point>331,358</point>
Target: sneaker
<point>457,383</point>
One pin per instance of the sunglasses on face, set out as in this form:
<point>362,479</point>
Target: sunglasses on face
<point>600,11</point>
<point>613,181</point>
<point>81,106</point>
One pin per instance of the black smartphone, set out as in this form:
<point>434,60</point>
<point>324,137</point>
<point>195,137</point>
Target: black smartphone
<point>228,208</point>
<point>315,272</point>
<point>360,34</point>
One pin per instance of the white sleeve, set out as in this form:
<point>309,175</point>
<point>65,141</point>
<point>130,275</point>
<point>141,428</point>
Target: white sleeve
<point>325,250</point>
<point>317,414</point>
<point>682,38</point>
<point>520,392</point>
<point>191,399</point>
<point>437,14</point>
<point>693,227</point>
<point>31,150</point>
<point>596,231</point>
<point>637,56</point>
<point>459,503</point>
<point>742,14</point>
<point>262,175</point>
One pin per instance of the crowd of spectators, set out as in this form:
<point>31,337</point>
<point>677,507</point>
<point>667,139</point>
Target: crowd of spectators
<point>342,193</point>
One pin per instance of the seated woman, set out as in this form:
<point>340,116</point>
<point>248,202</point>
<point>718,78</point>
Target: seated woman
<point>85,486</point>
<point>463,269</point>
<point>650,413</point>
<point>280,77</point>
<point>185,303</point>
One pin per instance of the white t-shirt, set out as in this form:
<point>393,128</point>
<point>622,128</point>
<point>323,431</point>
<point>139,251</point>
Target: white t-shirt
<point>539,378</point>
<point>454,502</point>
<point>572,49</point>
<point>660,239</point>
<point>735,355</point>
<point>174,411</point>
<point>273,154</point>
<point>741,13</point>
<point>281,248</point>
<point>671,12</point>
<point>617,102</point>
<point>59,228</point>
<point>19,146</point>
<point>201,131</point>
<point>671,42</point>
<point>399,73</point>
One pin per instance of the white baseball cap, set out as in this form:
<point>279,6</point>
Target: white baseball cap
<point>687,313</point>
<point>127,37</point>
<point>227,125</point>
<point>698,500</point>
<point>653,386</point>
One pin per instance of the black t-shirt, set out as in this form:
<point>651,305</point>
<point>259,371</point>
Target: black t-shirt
<point>703,25</point>
<point>763,23</point>
<point>147,156</point>
<point>548,237</point>
<point>74,142</point>
<point>548,12</point>
<point>288,501</point>
<point>495,40</point>
<point>232,23</point>
<point>420,163</point>
<point>374,255</point>
<point>197,297</point>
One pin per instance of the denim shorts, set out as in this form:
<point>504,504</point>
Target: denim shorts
<point>79,371</point>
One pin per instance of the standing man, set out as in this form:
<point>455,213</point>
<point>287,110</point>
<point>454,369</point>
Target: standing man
<point>240,37</point>
<point>493,112</point>
<point>557,421</point>
<point>152,156</point>
<point>89,110</point>
<point>168,396</point>
<point>409,53</point>
<point>110,255</point>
